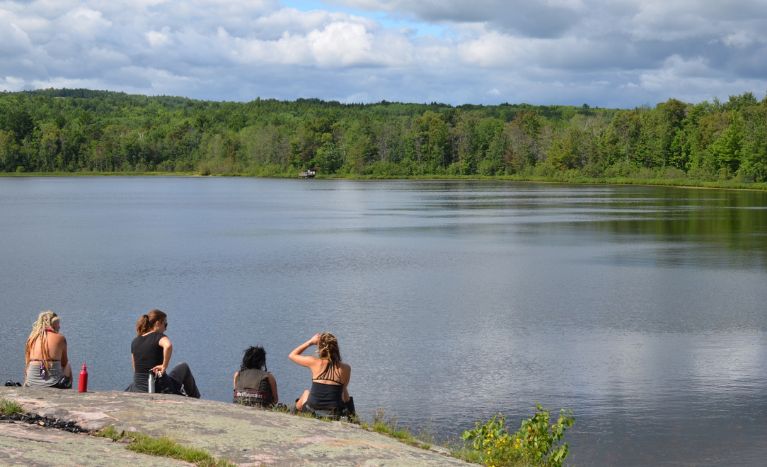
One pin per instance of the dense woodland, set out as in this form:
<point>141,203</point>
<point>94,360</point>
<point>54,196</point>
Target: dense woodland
<point>96,131</point>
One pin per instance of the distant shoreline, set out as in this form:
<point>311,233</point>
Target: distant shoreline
<point>613,181</point>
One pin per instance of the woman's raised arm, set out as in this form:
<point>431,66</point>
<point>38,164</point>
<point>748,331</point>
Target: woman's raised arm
<point>304,360</point>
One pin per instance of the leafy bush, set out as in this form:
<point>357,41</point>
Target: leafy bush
<point>538,442</point>
<point>489,167</point>
<point>621,169</point>
<point>673,173</point>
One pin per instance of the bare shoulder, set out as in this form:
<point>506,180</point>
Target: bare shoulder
<point>56,338</point>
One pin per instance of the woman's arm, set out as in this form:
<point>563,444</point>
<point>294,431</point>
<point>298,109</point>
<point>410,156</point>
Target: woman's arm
<point>273,384</point>
<point>236,377</point>
<point>167,351</point>
<point>345,395</point>
<point>64,356</point>
<point>304,360</point>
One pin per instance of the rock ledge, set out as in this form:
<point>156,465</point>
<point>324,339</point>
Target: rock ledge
<point>242,435</point>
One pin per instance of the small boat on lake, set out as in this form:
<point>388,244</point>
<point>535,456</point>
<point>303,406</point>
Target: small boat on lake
<point>310,173</point>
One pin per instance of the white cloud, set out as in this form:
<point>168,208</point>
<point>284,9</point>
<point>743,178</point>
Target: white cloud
<point>739,39</point>
<point>84,22</point>
<point>675,70</point>
<point>158,38</point>
<point>342,43</point>
<point>13,40</point>
<point>12,83</point>
<point>552,51</point>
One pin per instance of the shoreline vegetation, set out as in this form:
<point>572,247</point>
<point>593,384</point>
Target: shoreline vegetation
<point>73,132</point>
<point>564,180</point>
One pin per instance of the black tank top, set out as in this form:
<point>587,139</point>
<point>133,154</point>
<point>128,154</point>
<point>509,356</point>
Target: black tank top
<point>253,388</point>
<point>147,354</point>
<point>324,396</point>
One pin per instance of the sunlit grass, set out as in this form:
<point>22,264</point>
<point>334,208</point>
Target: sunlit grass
<point>8,408</point>
<point>390,427</point>
<point>163,447</point>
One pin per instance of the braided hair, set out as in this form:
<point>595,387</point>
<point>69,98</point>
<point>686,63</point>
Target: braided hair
<point>40,329</point>
<point>327,347</point>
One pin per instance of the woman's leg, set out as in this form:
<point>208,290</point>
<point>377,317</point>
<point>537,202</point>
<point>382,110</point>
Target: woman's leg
<point>183,375</point>
<point>302,400</point>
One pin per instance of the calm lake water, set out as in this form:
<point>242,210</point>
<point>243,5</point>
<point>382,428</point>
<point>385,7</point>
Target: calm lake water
<point>641,309</point>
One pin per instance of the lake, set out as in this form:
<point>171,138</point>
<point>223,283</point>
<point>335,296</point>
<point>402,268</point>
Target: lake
<point>642,309</point>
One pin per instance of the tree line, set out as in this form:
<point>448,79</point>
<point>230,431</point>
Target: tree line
<point>78,130</point>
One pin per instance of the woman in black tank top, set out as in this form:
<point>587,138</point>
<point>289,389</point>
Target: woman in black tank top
<point>330,376</point>
<point>151,350</point>
<point>253,385</point>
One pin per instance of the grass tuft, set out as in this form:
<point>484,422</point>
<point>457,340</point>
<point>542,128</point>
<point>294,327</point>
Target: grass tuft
<point>8,408</point>
<point>389,427</point>
<point>163,447</point>
<point>111,433</point>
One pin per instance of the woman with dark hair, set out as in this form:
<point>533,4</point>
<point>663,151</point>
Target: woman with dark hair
<point>253,384</point>
<point>151,350</point>
<point>330,376</point>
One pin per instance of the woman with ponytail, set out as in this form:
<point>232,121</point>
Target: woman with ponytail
<point>330,376</point>
<point>45,354</point>
<point>151,350</point>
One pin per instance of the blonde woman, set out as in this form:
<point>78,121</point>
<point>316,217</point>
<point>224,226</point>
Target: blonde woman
<point>45,354</point>
<point>330,376</point>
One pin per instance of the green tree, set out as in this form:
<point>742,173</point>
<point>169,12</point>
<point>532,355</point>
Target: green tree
<point>754,145</point>
<point>726,148</point>
<point>9,151</point>
<point>433,142</point>
<point>49,147</point>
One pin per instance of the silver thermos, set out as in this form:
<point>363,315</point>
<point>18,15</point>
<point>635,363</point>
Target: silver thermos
<point>151,381</point>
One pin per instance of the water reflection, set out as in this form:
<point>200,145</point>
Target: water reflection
<point>640,308</point>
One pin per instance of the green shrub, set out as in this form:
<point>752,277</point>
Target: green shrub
<point>489,167</point>
<point>545,169</point>
<point>621,169</point>
<point>538,442</point>
<point>673,173</point>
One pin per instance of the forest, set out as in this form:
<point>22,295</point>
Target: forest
<point>85,131</point>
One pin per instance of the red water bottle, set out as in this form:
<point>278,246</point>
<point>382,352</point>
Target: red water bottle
<point>83,385</point>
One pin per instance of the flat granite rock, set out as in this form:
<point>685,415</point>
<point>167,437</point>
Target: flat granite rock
<point>242,435</point>
<point>32,445</point>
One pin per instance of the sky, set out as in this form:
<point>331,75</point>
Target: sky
<point>605,53</point>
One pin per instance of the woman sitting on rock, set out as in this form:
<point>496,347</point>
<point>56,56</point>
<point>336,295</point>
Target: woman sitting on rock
<point>45,354</point>
<point>253,384</point>
<point>330,376</point>
<point>151,350</point>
